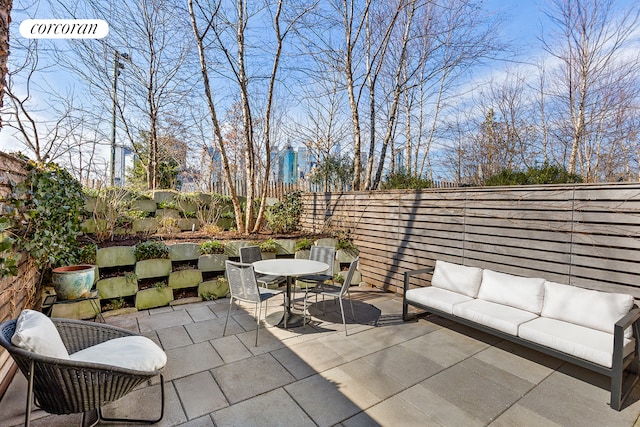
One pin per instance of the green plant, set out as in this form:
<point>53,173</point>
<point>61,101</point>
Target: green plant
<point>208,296</point>
<point>545,174</point>
<point>284,216</point>
<point>49,204</point>
<point>268,245</point>
<point>159,285</point>
<point>115,304</point>
<point>212,247</point>
<point>344,242</point>
<point>168,204</point>
<point>87,254</point>
<point>303,244</point>
<point>151,249</point>
<point>402,180</point>
<point>338,278</point>
<point>8,257</point>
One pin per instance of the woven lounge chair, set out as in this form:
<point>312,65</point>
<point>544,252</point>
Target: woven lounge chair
<point>65,386</point>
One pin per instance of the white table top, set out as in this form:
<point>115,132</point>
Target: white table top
<point>289,267</point>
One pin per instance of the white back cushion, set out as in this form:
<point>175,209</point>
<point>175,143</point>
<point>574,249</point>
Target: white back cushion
<point>525,293</point>
<point>133,352</point>
<point>36,333</point>
<point>585,307</point>
<point>457,278</point>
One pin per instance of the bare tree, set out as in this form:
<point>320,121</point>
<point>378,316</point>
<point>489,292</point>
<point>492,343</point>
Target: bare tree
<point>148,48</point>
<point>223,36</point>
<point>589,42</point>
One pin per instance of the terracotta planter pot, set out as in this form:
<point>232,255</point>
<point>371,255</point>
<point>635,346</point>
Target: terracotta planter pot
<point>73,281</point>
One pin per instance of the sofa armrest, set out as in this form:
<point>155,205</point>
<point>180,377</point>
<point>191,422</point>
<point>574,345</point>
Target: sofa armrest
<point>408,274</point>
<point>629,319</point>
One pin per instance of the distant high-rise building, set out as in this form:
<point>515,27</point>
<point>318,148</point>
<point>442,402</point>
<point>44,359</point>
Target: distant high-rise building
<point>288,166</point>
<point>124,160</point>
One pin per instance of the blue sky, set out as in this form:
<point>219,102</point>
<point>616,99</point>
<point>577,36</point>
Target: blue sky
<point>523,25</point>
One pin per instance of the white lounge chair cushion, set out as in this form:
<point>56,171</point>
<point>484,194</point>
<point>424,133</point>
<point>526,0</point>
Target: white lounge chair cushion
<point>457,278</point>
<point>496,316</point>
<point>579,341</point>
<point>36,333</point>
<point>133,352</point>
<point>585,307</point>
<point>525,293</point>
<point>440,299</point>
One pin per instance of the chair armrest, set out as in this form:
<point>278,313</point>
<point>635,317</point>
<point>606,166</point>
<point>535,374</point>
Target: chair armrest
<point>629,319</point>
<point>408,274</point>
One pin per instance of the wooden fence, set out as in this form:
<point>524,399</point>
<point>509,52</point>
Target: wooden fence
<point>16,292</point>
<point>587,235</point>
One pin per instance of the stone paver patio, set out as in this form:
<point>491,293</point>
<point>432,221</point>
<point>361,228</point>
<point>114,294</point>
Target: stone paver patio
<point>385,372</point>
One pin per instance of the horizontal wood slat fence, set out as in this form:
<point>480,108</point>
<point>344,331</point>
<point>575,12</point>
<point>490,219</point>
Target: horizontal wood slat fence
<point>587,235</point>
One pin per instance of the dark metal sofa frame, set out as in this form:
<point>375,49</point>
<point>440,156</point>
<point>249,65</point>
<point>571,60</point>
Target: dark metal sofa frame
<point>63,386</point>
<point>621,387</point>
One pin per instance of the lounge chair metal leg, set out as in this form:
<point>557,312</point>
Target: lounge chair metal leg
<point>127,420</point>
<point>27,415</point>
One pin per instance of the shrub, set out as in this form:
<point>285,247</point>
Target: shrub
<point>211,247</point>
<point>536,175</point>
<point>151,249</point>
<point>268,245</point>
<point>404,180</point>
<point>303,244</point>
<point>51,203</point>
<point>284,216</point>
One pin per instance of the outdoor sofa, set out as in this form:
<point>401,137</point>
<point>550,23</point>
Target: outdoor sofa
<point>593,329</point>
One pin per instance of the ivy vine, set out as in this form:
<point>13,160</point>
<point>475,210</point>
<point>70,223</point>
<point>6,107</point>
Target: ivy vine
<point>48,207</point>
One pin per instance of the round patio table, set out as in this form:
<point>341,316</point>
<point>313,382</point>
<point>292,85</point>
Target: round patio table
<point>289,268</point>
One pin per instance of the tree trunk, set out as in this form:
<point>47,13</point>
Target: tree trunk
<point>5,20</point>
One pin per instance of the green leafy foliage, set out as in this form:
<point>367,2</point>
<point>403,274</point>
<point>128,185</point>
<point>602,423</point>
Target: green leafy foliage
<point>284,216</point>
<point>211,247</point>
<point>8,257</point>
<point>403,180</point>
<point>151,249</point>
<point>268,245</point>
<point>545,174</point>
<point>50,203</point>
<point>303,244</point>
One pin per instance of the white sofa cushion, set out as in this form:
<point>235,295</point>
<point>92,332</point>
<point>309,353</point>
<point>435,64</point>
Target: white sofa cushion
<point>579,341</point>
<point>525,293</point>
<point>440,299</point>
<point>36,333</point>
<point>496,316</point>
<point>457,278</point>
<point>133,352</point>
<point>585,307</point>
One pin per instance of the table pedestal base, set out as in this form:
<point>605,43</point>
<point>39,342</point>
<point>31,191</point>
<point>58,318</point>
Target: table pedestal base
<point>277,319</point>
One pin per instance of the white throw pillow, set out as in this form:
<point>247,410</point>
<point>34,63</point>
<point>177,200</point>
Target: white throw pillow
<point>457,278</point>
<point>585,307</point>
<point>133,352</point>
<point>36,333</point>
<point>525,293</point>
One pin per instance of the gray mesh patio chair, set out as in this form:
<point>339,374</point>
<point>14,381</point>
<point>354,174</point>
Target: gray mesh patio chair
<point>326,254</point>
<point>337,292</point>
<point>244,287</point>
<point>251,254</point>
<point>65,386</point>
